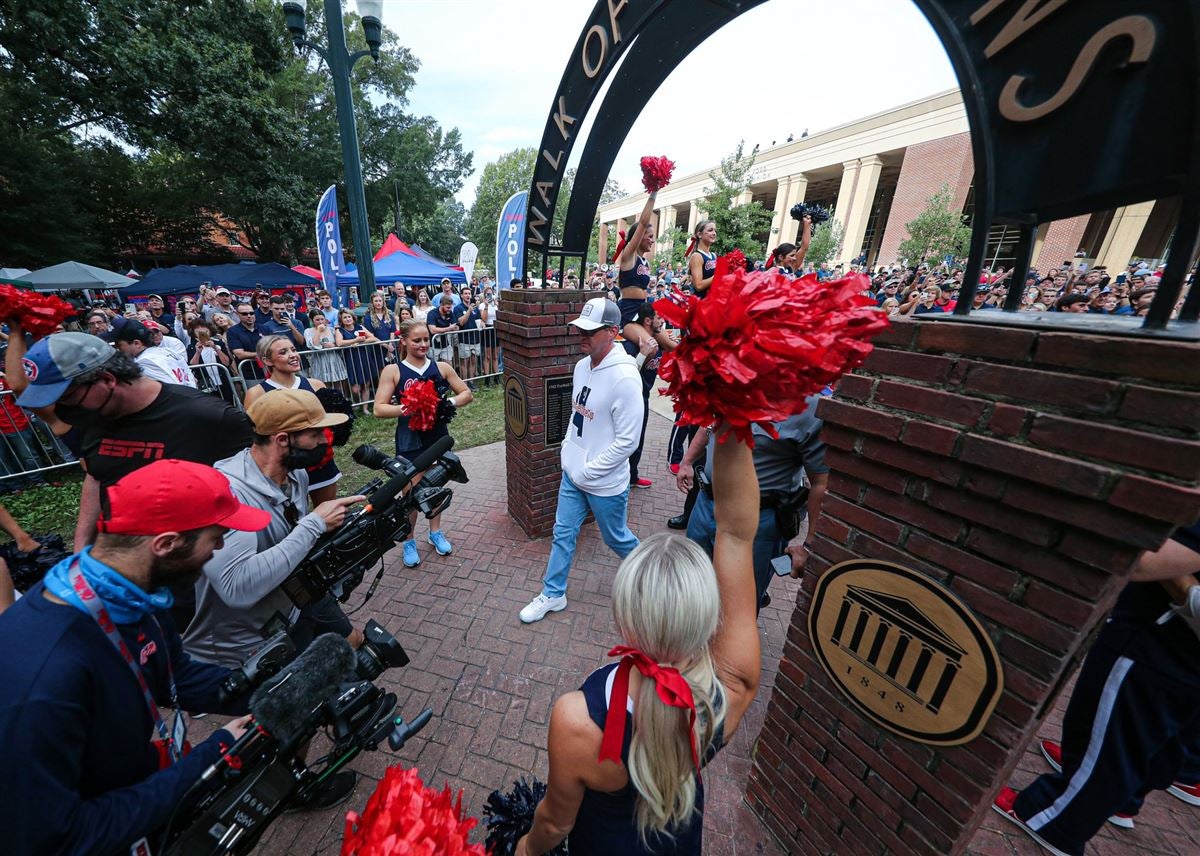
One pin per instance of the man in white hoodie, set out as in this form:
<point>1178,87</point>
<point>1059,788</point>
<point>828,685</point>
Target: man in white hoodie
<point>604,431</point>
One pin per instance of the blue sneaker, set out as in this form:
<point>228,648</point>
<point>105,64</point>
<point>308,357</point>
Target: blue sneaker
<point>411,557</point>
<point>439,542</point>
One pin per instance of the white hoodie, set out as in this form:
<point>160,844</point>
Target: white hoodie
<point>606,424</point>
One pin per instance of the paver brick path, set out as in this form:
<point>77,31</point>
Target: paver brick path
<point>491,680</point>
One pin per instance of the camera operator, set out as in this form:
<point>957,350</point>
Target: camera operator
<point>89,765</point>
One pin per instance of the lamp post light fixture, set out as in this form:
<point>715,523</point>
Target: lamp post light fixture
<point>341,61</point>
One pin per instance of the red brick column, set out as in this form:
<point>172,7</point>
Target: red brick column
<point>537,344</point>
<point>1023,469</point>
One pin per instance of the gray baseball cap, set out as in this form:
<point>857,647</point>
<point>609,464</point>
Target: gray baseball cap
<point>598,312</point>
<point>53,362</point>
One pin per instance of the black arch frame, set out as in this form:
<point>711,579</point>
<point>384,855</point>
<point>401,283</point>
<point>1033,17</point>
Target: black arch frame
<point>653,36</point>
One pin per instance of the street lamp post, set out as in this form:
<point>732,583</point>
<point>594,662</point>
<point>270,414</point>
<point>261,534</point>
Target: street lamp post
<point>341,61</point>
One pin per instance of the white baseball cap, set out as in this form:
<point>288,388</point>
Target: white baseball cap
<point>598,312</point>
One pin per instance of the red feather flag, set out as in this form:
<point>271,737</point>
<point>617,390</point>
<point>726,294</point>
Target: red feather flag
<point>405,818</point>
<point>656,173</point>
<point>760,343</point>
<point>420,402</point>
<point>38,314</point>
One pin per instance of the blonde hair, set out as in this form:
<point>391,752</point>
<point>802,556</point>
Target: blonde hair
<point>265,344</point>
<point>666,602</point>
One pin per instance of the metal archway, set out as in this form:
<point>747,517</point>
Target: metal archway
<point>1032,75</point>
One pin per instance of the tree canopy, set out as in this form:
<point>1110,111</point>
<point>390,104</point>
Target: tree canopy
<point>937,232</point>
<point>739,227</point>
<point>134,127</point>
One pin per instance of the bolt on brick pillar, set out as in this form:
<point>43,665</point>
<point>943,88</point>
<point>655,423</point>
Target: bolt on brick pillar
<point>540,352</point>
<point>1025,471</point>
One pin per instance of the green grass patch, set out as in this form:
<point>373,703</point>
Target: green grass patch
<point>43,510</point>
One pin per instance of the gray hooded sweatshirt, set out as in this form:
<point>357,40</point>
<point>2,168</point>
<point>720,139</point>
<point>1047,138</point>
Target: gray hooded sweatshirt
<point>239,589</point>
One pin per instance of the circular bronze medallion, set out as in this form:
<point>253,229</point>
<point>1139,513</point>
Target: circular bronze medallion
<point>906,651</point>
<point>516,408</point>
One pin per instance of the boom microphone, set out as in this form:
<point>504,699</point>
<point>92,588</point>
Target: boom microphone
<point>382,499</point>
<point>284,704</point>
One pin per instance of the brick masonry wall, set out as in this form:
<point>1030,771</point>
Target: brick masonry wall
<point>1023,469</point>
<point>926,167</point>
<point>1062,241</point>
<point>537,344</point>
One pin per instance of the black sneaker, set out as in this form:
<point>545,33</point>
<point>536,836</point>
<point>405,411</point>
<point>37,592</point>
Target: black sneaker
<point>333,791</point>
<point>765,600</point>
<point>678,522</point>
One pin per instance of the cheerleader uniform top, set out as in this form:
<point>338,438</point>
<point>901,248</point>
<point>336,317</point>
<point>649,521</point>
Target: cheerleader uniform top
<point>321,475</point>
<point>710,268</point>
<point>637,276</point>
<point>607,820</point>
<point>410,443</point>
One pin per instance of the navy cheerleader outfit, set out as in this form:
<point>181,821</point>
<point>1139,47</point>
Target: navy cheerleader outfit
<point>607,820</point>
<point>410,443</point>
<point>637,276</point>
<point>710,268</point>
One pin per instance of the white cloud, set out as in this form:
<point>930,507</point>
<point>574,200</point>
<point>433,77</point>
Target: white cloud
<point>491,69</point>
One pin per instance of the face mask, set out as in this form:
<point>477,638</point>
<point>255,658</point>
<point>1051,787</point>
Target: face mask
<point>302,459</point>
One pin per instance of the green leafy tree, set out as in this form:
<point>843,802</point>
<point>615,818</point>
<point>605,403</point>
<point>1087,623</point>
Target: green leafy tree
<point>441,232</point>
<point>742,227</point>
<point>936,232</point>
<point>611,192</point>
<point>500,179</point>
<point>825,243</point>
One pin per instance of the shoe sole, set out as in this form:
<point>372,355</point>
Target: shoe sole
<point>1122,822</point>
<point>543,615</point>
<point>1179,793</point>
<point>643,486</point>
<point>1057,766</point>
<point>1016,821</point>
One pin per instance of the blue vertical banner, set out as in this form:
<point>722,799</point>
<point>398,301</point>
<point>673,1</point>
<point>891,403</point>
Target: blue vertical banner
<point>510,240</point>
<point>329,243</point>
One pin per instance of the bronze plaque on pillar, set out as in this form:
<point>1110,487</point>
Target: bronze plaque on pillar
<point>558,409</point>
<point>905,651</point>
<point>516,408</point>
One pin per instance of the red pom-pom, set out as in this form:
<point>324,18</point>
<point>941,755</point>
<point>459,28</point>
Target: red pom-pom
<point>420,403</point>
<point>405,818</point>
<point>38,314</point>
<point>656,173</point>
<point>759,344</point>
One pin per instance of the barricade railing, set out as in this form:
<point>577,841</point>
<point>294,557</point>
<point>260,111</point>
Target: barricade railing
<point>354,369</point>
<point>28,448</point>
<point>217,379</point>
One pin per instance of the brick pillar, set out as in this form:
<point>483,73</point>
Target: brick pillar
<point>538,347</point>
<point>1024,470</point>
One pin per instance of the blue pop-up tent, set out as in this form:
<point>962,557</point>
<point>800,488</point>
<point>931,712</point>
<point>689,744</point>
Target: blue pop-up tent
<point>410,270</point>
<point>185,279</point>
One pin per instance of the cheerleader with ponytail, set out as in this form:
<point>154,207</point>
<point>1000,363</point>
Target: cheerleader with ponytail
<point>702,261</point>
<point>633,271</point>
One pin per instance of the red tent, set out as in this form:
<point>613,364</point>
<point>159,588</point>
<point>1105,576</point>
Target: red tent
<point>393,245</point>
<point>307,271</point>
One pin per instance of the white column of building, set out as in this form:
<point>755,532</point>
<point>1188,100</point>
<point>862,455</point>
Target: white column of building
<point>666,224</point>
<point>744,198</point>
<point>782,189</point>
<point>693,217</point>
<point>1124,232</point>
<point>796,193</point>
<point>602,247</point>
<point>855,223</point>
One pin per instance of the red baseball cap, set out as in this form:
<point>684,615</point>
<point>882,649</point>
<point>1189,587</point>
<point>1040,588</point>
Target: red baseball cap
<point>175,496</point>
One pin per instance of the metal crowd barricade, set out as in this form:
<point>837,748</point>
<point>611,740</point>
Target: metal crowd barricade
<point>28,448</point>
<point>217,379</point>
<point>355,369</point>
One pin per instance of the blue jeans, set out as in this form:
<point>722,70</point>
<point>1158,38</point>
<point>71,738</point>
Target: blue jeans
<point>702,528</point>
<point>573,505</point>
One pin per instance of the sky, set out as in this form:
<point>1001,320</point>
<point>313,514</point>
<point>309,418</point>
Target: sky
<point>491,69</point>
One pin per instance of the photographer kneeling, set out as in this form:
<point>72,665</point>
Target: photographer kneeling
<point>91,652</point>
<point>239,591</point>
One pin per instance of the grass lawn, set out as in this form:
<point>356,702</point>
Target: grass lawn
<point>48,509</point>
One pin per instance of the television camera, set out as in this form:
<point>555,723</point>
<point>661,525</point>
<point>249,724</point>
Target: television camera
<point>328,686</point>
<point>337,562</point>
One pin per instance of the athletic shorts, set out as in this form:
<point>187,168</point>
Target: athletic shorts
<point>629,307</point>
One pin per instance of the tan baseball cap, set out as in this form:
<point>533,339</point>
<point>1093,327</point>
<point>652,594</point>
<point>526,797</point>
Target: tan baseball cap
<point>290,410</point>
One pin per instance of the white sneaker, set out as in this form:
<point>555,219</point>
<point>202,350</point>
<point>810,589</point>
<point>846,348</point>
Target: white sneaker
<point>540,605</point>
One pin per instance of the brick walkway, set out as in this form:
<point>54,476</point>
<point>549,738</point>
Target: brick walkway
<point>491,680</point>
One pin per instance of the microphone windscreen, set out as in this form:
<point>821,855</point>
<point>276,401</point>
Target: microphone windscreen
<point>283,704</point>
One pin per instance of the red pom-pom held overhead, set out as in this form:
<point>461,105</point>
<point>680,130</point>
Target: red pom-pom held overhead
<point>759,344</point>
<point>420,403</point>
<point>38,314</point>
<point>656,173</point>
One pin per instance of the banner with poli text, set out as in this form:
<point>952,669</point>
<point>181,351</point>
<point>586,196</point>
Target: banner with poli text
<point>329,243</point>
<point>510,240</point>
<point>466,259</point>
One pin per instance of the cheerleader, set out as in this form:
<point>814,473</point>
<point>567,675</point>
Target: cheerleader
<point>788,259</point>
<point>633,277</point>
<point>702,261</point>
<point>396,377</point>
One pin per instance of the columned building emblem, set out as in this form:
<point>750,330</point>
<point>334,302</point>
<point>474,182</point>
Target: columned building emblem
<point>905,651</point>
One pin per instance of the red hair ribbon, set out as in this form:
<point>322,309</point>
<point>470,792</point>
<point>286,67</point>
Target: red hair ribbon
<point>688,252</point>
<point>620,245</point>
<point>770,261</point>
<point>673,691</point>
